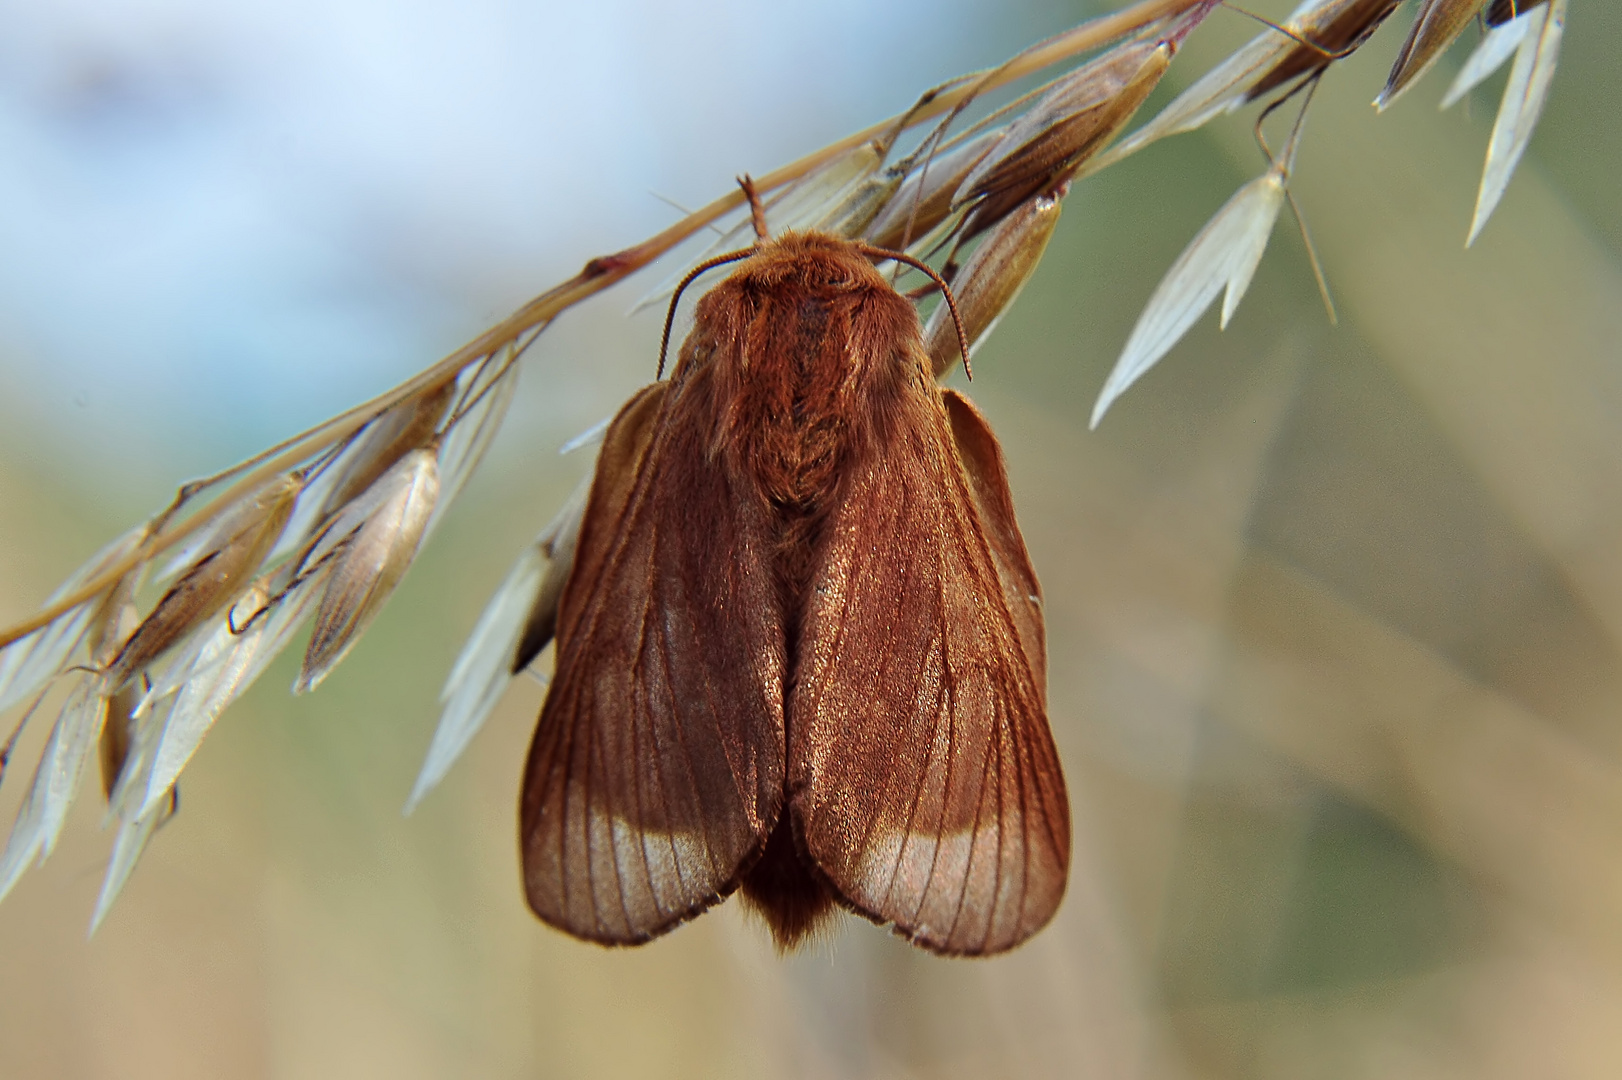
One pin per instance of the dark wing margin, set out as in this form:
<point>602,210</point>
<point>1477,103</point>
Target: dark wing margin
<point>656,771</point>
<point>923,779</point>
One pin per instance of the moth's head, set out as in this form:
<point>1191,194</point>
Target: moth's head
<point>814,264</point>
<point>807,261</point>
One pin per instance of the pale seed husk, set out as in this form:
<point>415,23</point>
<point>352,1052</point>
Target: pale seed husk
<point>408,426</point>
<point>128,846</point>
<point>134,829</point>
<point>214,580</point>
<point>197,705</point>
<point>989,282</point>
<point>1055,136</point>
<point>557,543</point>
<point>522,614</point>
<point>371,560</point>
<point>464,444</point>
<point>1524,94</point>
<point>1219,90</point>
<point>1269,60</point>
<point>852,214</point>
<point>924,199</point>
<point>215,678</point>
<point>1499,44</point>
<point>592,436</point>
<point>29,661</point>
<point>1221,259</point>
<point>1438,25</point>
<point>1335,30</point>
<point>56,779</point>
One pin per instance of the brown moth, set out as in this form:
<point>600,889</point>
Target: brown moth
<point>800,650</point>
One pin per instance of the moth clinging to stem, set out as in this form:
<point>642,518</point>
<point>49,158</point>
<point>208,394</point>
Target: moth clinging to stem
<point>800,650</point>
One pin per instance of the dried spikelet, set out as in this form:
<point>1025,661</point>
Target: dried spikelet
<point>128,845</point>
<point>815,197</point>
<point>366,456</point>
<point>852,214</point>
<point>592,436</point>
<point>73,739</point>
<point>924,199</point>
<point>201,650</point>
<point>196,682</point>
<point>120,727</point>
<point>260,625</point>
<point>522,612</point>
<point>989,282</point>
<point>56,779</point>
<point>1268,61</point>
<point>134,829</point>
<point>1499,44</point>
<point>29,661</point>
<point>241,544</point>
<point>1437,25</point>
<point>408,426</point>
<point>371,559</point>
<point>1072,121</point>
<point>557,543</point>
<point>1332,32</point>
<point>1222,257</point>
<point>1069,124</point>
<point>470,432</point>
<point>481,673</point>
<point>1524,95</point>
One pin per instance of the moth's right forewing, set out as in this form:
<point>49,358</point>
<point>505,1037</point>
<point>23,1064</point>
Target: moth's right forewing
<point>982,460</point>
<point>656,771</point>
<point>925,784</point>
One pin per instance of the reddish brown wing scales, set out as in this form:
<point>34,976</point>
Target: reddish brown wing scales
<point>981,458</point>
<point>656,771</point>
<point>924,783</point>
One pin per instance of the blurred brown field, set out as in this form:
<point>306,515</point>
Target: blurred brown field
<point>1335,632</point>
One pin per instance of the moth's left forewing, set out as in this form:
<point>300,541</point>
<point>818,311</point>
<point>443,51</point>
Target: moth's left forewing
<point>923,779</point>
<point>656,772</point>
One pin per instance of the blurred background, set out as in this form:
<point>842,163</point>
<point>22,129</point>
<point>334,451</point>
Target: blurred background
<point>1335,614</point>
